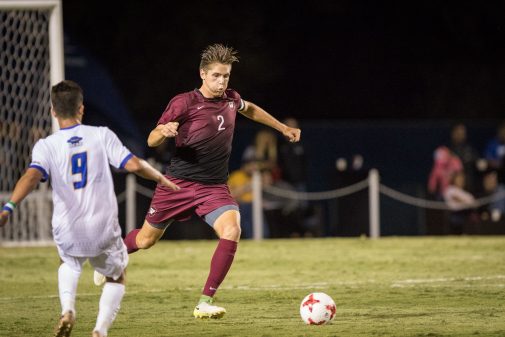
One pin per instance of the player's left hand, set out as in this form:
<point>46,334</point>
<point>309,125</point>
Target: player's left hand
<point>165,182</point>
<point>4,216</point>
<point>292,134</point>
<point>169,130</point>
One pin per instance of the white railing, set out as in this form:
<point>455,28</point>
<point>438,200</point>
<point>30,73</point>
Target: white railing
<point>372,183</point>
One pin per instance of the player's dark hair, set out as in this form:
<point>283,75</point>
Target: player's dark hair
<point>66,98</point>
<point>218,53</point>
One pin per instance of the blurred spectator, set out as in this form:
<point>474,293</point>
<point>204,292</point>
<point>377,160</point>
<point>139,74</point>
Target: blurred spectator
<point>292,160</point>
<point>466,153</point>
<point>343,218</point>
<point>240,184</point>
<point>460,202</point>
<point>495,152</point>
<point>293,169</point>
<point>445,164</point>
<point>263,155</point>
<point>281,214</point>
<point>357,162</point>
<point>490,186</point>
<point>263,151</point>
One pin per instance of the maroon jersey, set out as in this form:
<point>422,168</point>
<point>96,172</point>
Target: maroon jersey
<point>206,126</point>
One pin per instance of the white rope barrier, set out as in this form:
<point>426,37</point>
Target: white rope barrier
<point>387,191</point>
<point>491,198</point>
<point>432,204</point>
<point>331,194</point>
<point>410,200</point>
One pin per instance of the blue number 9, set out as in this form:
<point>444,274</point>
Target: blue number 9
<point>80,166</point>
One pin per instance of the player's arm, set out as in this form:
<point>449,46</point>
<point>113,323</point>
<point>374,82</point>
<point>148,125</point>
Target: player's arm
<point>161,132</point>
<point>257,114</point>
<point>24,186</point>
<point>143,169</point>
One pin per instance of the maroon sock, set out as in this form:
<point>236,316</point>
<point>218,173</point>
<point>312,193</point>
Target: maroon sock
<point>130,242</point>
<point>219,265</point>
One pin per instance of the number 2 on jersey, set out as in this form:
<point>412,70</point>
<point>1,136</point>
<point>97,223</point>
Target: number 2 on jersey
<point>80,166</point>
<point>221,119</point>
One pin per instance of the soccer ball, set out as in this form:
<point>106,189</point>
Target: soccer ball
<point>317,309</point>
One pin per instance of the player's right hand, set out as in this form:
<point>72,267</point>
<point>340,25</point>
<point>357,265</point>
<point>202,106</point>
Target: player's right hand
<point>169,130</point>
<point>165,182</point>
<point>292,134</point>
<point>4,216</point>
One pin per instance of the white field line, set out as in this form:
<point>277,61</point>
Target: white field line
<point>318,285</point>
<point>97,294</point>
<point>414,282</point>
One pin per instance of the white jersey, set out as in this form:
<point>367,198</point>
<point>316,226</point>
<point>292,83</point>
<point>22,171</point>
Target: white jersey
<point>85,216</point>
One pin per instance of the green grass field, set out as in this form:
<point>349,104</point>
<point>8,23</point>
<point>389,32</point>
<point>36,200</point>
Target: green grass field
<point>388,287</point>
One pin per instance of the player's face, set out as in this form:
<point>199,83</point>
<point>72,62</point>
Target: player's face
<point>215,79</point>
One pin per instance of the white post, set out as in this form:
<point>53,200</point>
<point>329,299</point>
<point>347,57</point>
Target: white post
<point>374,203</point>
<point>56,54</point>
<point>257,206</point>
<point>131,201</point>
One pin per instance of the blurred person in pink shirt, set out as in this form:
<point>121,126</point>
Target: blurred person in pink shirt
<point>445,164</point>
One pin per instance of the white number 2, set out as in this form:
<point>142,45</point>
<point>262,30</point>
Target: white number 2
<point>220,127</point>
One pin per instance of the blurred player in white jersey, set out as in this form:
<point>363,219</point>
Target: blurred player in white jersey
<point>85,218</point>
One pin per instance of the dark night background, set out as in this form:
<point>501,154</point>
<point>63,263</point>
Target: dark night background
<point>310,59</point>
<point>382,79</point>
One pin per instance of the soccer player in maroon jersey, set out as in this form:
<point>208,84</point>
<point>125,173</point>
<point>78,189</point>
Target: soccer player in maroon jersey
<point>202,122</point>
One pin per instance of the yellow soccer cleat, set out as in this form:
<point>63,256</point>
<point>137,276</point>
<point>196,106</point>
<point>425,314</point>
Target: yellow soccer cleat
<point>207,310</point>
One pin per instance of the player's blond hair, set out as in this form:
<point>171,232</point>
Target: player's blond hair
<point>218,53</point>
